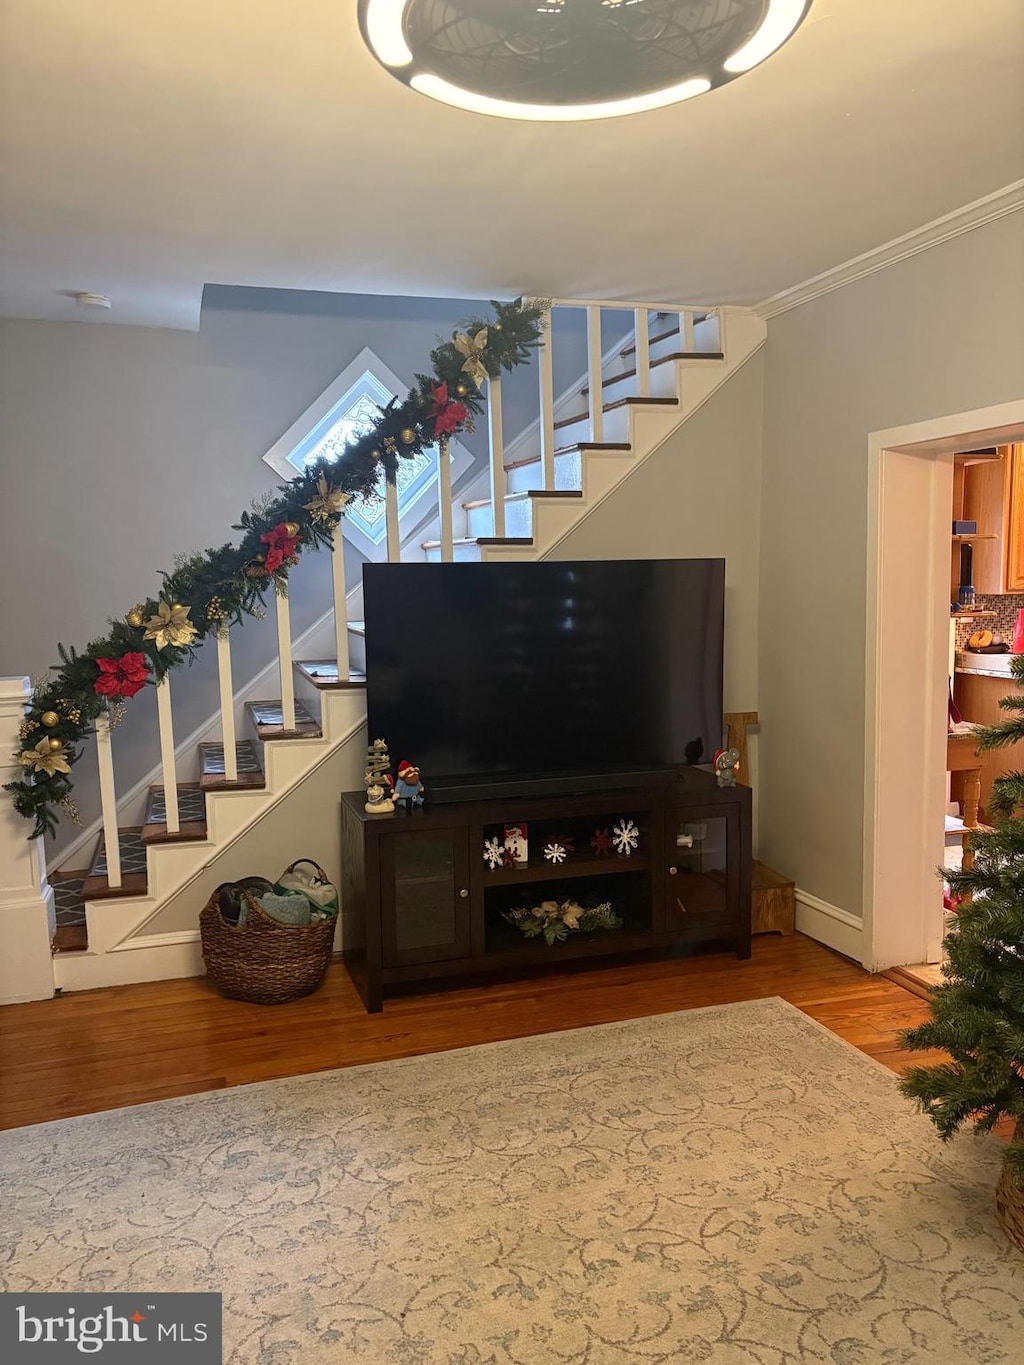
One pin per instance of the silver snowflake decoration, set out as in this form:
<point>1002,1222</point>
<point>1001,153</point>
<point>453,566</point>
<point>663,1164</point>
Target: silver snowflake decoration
<point>494,853</point>
<point>555,853</point>
<point>625,837</point>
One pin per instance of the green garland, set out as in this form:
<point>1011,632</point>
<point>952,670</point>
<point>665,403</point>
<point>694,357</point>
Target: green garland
<point>205,593</point>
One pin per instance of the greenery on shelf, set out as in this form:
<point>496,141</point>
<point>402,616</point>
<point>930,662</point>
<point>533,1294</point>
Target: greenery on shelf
<point>977,1014</point>
<point>207,592</point>
<point>556,920</point>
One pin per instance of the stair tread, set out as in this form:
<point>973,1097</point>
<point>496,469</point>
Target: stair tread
<point>527,493</point>
<point>134,875</point>
<point>630,401</point>
<point>323,674</point>
<point>652,341</point>
<point>70,938</point>
<point>211,767</point>
<point>660,360</point>
<point>357,627</point>
<point>268,717</point>
<point>191,815</point>
<point>480,540</point>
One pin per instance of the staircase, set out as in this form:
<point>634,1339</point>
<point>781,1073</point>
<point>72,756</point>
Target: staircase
<point>583,445</point>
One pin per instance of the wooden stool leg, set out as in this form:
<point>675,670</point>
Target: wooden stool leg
<point>972,801</point>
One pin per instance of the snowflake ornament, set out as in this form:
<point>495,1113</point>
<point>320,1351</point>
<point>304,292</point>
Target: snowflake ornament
<point>625,837</point>
<point>555,853</point>
<point>601,843</point>
<point>494,853</point>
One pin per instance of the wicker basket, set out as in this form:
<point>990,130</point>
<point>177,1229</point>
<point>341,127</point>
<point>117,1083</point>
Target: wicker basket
<point>262,960</point>
<point>1010,1201</point>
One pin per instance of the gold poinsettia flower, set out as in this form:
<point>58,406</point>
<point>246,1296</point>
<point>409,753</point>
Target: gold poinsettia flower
<point>171,626</point>
<point>473,348</point>
<point>43,759</point>
<point>329,502</point>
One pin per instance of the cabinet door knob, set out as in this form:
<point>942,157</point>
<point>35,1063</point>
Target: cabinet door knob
<point>673,872</point>
<point>463,893</point>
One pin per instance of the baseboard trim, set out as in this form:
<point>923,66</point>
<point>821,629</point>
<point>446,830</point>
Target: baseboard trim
<point>974,215</point>
<point>829,924</point>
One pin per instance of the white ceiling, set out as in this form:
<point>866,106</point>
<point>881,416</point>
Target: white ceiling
<point>149,148</point>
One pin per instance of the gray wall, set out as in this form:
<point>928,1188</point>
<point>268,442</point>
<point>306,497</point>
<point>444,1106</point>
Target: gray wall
<point>122,447</point>
<point>941,332</point>
<point>699,495</point>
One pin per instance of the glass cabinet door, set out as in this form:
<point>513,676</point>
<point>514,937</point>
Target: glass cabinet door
<point>425,897</point>
<point>702,852</point>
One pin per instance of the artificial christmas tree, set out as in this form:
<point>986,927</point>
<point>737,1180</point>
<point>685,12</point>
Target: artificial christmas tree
<point>977,1014</point>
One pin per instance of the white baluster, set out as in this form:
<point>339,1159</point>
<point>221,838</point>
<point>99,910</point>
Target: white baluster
<point>108,800</point>
<point>686,334</point>
<point>394,537</point>
<point>167,765</point>
<point>596,395</point>
<point>547,403</point>
<point>643,352</point>
<point>284,654</point>
<point>227,704</point>
<point>497,454</point>
<point>340,606</point>
<point>444,499</point>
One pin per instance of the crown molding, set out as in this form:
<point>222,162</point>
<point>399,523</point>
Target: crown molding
<point>1007,200</point>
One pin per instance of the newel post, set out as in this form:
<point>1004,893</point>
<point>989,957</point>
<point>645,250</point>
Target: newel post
<point>27,919</point>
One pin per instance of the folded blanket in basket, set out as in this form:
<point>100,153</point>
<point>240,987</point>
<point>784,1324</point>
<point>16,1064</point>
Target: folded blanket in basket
<point>288,909</point>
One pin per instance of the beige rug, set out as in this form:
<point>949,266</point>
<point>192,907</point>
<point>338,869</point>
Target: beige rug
<point>730,1185</point>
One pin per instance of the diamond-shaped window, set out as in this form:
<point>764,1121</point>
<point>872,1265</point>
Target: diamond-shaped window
<point>346,410</point>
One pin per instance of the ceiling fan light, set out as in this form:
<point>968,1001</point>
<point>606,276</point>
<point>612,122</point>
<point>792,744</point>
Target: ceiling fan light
<point>438,89</point>
<point>779,23</point>
<point>383,19</point>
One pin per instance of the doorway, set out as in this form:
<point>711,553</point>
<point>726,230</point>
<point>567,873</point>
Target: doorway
<point>910,491</point>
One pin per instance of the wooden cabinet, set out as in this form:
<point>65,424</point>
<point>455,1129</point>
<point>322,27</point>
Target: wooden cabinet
<point>419,901</point>
<point>990,491</point>
<point>425,879</point>
<point>1015,521</point>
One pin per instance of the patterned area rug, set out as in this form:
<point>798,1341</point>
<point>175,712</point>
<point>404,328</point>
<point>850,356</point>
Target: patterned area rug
<point>731,1185</point>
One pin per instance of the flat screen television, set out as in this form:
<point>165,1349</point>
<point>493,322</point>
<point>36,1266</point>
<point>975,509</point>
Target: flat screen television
<point>503,678</point>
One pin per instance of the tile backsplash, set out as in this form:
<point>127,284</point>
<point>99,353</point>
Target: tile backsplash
<point>1006,607</point>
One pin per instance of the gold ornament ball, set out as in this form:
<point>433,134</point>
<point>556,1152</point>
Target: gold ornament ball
<point>461,390</point>
<point>134,618</point>
<point>56,745</point>
<point>496,326</point>
<point>407,436</point>
<point>50,719</point>
<point>177,606</point>
<point>291,528</point>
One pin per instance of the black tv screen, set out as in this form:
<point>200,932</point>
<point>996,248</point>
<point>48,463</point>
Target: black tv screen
<point>497,671</point>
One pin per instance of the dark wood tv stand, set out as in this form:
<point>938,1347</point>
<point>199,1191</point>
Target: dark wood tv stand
<point>419,901</point>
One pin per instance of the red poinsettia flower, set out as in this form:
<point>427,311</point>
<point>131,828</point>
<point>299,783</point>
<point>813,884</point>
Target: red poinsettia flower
<point>281,545</point>
<point>122,677</point>
<point>448,416</point>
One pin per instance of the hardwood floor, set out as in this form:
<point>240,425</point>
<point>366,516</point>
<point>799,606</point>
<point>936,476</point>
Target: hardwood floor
<point>97,1050</point>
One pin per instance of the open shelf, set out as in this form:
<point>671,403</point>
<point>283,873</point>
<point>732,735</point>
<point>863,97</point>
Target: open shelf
<point>970,615</point>
<point>962,540</point>
<point>505,940</point>
<point>572,867</point>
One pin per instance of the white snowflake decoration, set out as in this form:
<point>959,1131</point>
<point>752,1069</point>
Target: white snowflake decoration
<point>555,853</point>
<point>625,837</point>
<point>493,853</point>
